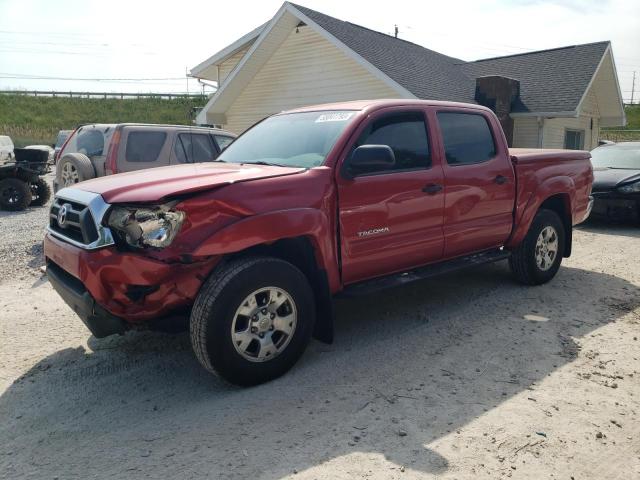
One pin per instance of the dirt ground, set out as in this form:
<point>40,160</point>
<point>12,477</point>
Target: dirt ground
<point>466,376</point>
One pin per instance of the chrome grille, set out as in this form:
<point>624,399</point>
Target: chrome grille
<point>73,220</point>
<point>76,217</point>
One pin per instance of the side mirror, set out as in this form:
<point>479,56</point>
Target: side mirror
<point>368,158</point>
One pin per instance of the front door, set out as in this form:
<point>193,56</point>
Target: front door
<point>391,218</point>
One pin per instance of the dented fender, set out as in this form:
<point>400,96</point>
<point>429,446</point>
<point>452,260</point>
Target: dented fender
<point>270,227</point>
<point>528,204</point>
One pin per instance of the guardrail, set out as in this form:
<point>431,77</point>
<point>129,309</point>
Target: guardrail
<point>621,135</point>
<point>121,95</point>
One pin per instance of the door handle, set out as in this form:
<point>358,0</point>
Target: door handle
<point>500,179</point>
<point>432,188</point>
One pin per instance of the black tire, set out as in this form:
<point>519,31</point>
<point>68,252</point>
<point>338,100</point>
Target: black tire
<point>40,193</point>
<point>215,309</point>
<point>14,194</point>
<point>523,262</point>
<point>75,162</point>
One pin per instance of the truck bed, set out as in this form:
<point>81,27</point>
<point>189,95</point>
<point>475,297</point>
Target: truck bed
<point>528,155</point>
<point>566,173</point>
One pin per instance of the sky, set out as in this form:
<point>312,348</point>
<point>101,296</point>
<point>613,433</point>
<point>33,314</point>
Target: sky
<point>102,45</point>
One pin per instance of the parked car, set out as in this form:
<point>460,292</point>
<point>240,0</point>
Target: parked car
<point>308,204</point>
<point>60,140</point>
<point>21,182</point>
<point>104,149</point>
<point>6,149</point>
<point>44,148</point>
<point>616,182</point>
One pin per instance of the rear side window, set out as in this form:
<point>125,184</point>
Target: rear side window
<point>406,134</point>
<point>144,146</point>
<point>90,142</point>
<point>194,147</point>
<point>223,142</point>
<point>62,136</point>
<point>467,138</point>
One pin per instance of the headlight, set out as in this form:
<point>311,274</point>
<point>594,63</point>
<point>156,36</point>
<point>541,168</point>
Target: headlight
<point>146,227</point>
<point>631,188</point>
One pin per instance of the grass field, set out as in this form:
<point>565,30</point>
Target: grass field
<point>36,120</point>
<point>622,134</point>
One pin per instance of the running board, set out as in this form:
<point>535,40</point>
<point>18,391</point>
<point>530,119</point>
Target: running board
<point>397,279</point>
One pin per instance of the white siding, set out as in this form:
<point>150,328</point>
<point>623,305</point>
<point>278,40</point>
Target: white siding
<point>306,69</point>
<point>525,132</point>
<point>554,131</point>
<point>230,63</point>
<point>590,109</point>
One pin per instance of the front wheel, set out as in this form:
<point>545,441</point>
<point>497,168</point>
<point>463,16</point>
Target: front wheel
<point>537,259</point>
<point>252,320</point>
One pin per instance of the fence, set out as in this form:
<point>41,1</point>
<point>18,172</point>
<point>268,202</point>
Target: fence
<point>121,95</point>
<point>620,135</point>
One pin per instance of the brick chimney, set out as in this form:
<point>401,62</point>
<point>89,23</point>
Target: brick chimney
<point>499,94</point>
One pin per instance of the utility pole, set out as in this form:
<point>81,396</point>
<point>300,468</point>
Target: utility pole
<point>633,87</point>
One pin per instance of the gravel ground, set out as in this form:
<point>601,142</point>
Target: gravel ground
<point>464,376</point>
<point>21,235</point>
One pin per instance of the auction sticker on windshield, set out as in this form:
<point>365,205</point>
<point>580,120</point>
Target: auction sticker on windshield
<point>334,117</point>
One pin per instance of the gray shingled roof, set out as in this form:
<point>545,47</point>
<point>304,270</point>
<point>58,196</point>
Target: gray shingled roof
<point>550,80</point>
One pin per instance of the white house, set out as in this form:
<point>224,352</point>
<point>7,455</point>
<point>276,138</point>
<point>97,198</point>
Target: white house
<point>552,98</point>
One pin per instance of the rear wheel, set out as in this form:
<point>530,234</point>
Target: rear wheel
<point>537,259</point>
<point>252,320</point>
<point>40,192</point>
<point>14,194</point>
<point>73,168</point>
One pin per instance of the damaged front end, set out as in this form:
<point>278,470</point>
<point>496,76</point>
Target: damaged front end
<point>141,227</point>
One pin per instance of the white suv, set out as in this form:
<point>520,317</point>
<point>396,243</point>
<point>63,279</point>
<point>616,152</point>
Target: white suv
<point>6,149</point>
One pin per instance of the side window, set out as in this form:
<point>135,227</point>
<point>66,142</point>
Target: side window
<point>178,150</point>
<point>467,138</point>
<point>144,146</point>
<point>574,139</point>
<point>223,141</point>
<point>406,134</point>
<point>194,147</point>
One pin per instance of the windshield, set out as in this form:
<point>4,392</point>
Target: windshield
<point>617,156</point>
<point>291,140</point>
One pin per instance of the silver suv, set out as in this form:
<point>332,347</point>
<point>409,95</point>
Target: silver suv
<point>104,149</point>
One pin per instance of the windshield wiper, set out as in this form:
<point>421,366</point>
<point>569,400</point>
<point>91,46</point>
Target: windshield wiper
<point>262,162</point>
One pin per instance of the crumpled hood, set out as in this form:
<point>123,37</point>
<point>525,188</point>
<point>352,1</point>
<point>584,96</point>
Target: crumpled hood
<point>605,179</point>
<point>155,184</point>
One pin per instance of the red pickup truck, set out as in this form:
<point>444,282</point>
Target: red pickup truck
<point>335,199</point>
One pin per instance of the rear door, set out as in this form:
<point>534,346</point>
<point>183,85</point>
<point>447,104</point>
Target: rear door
<point>479,182</point>
<point>143,147</point>
<point>223,141</point>
<point>391,220</point>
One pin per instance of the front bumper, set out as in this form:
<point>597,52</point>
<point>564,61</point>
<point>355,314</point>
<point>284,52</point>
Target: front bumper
<point>107,287</point>
<point>616,206</point>
<point>100,322</point>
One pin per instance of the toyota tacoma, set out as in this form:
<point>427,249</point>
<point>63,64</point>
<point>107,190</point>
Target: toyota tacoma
<point>340,199</point>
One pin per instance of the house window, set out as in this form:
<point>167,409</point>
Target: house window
<point>574,139</point>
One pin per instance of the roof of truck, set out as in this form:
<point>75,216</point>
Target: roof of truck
<point>379,103</point>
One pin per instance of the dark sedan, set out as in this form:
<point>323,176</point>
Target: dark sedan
<point>616,183</point>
